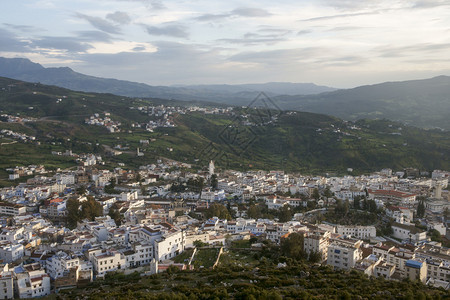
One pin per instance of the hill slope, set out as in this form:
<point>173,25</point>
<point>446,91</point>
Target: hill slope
<point>423,103</point>
<point>24,69</point>
<point>243,138</point>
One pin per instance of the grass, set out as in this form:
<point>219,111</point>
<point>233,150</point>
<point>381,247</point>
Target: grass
<point>239,258</point>
<point>241,244</point>
<point>205,258</point>
<point>184,257</point>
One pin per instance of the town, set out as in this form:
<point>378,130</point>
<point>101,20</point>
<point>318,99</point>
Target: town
<point>66,228</point>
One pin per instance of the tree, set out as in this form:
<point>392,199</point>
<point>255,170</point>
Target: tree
<point>292,246</point>
<point>285,213</point>
<point>315,257</point>
<point>420,213</point>
<point>199,244</point>
<point>115,215</point>
<point>218,210</point>
<point>138,177</point>
<point>214,181</point>
<point>81,190</point>
<point>372,205</point>
<point>73,212</point>
<point>254,211</point>
<point>91,209</point>
<point>110,188</point>
<point>327,192</point>
<point>356,202</point>
<point>341,208</point>
<point>311,205</point>
<point>435,235</point>
<point>315,194</point>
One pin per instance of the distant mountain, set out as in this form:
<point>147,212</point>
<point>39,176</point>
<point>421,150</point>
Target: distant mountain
<point>423,103</point>
<point>272,88</point>
<point>24,69</point>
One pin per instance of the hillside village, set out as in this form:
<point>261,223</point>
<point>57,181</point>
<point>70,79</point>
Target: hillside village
<point>66,229</point>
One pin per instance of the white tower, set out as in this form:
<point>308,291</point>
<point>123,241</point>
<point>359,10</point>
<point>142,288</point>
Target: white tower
<point>438,190</point>
<point>211,168</point>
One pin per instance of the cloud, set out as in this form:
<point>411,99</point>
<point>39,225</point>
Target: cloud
<point>274,30</point>
<point>157,5</point>
<point>94,36</point>
<point>139,48</point>
<point>346,28</point>
<point>9,42</point>
<point>212,17</point>
<point>119,17</point>
<point>100,23</point>
<point>172,62</point>
<point>150,4</point>
<point>173,30</point>
<point>279,56</point>
<point>421,49</point>
<point>339,16</point>
<point>430,3</point>
<point>253,41</point>
<point>303,32</point>
<point>349,4</point>
<point>269,37</point>
<point>62,43</point>
<point>23,28</point>
<point>248,12</point>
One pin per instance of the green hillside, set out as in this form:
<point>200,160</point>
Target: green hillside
<point>422,103</point>
<point>247,138</point>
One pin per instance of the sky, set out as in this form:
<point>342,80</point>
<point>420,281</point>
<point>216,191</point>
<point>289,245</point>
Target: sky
<point>338,43</point>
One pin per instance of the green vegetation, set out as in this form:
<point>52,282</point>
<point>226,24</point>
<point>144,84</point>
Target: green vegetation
<point>245,274</point>
<point>296,142</point>
<point>205,258</point>
<point>422,103</point>
<point>184,256</point>
<point>421,208</point>
<point>217,210</point>
<point>89,210</point>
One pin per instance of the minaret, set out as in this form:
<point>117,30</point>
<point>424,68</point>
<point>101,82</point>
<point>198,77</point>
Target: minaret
<point>438,190</point>
<point>211,168</point>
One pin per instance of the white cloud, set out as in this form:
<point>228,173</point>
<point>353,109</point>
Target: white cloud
<point>223,41</point>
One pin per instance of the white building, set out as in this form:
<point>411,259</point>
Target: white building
<point>6,285</point>
<point>408,232</point>
<point>169,245</point>
<point>32,284</point>
<point>10,209</point>
<point>140,255</point>
<point>11,252</point>
<point>317,242</point>
<point>60,263</point>
<point>343,254</point>
<point>359,232</point>
<point>107,261</point>
<point>436,206</point>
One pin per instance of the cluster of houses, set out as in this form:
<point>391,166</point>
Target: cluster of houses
<point>17,135</point>
<point>162,114</point>
<point>17,119</point>
<point>162,110</point>
<point>18,171</point>
<point>106,121</point>
<point>40,255</point>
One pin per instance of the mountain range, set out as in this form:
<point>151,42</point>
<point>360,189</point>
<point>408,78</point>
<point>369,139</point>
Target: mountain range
<point>422,103</point>
<point>26,70</point>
